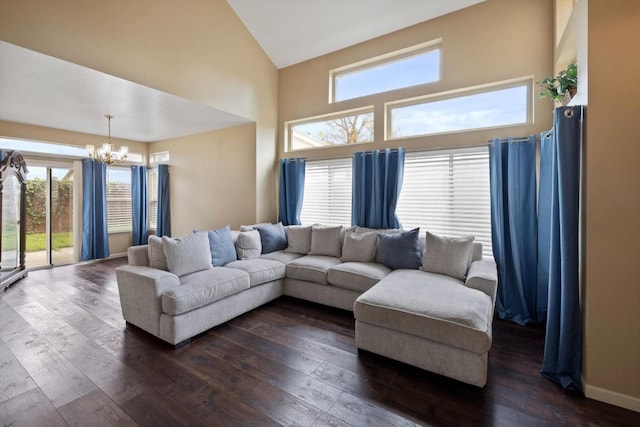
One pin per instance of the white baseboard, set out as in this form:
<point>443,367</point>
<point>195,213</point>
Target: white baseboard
<point>612,397</point>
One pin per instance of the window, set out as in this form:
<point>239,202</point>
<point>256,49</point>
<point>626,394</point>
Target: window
<point>327,192</point>
<point>59,150</point>
<point>152,197</point>
<point>476,108</point>
<point>412,66</point>
<point>119,216</point>
<point>447,193</point>
<point>351,127</point>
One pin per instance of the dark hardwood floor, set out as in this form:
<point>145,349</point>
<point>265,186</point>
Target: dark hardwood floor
<point>66,358</point>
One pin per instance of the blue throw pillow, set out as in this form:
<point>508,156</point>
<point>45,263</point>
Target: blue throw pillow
<point>221,246</point>
<point>273,237</point>
<point>401,250</point>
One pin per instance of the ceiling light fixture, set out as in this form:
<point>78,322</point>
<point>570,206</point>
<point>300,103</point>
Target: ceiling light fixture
<point>106,153</point>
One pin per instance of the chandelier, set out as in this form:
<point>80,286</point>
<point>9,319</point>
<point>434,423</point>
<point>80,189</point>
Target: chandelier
<point>106,153</point>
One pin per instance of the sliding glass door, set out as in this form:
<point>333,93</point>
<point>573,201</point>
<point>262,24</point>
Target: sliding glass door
<point>50,239</point>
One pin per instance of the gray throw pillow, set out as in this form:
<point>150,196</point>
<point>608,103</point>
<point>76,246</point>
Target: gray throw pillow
<point>187,254</point>
<point>299,239</point>
<point>447,255</point>
<point>272,237</point>
<point>248,245</point>
<point>156,253</point>
<point>359,247</point>
<point>400,250</point>
<point>221,246</point>
<point>326,241</point>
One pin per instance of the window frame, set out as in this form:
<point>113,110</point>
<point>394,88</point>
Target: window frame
<point>389,57</point>
<point>458,93</point>
<point>288,127</point>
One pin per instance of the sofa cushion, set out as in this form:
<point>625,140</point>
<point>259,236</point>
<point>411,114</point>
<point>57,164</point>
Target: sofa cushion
<point>248,245</point>
<point>260,270</point>
<point>221,246</point>
<point>357,276</point>
<point>312,268</point>
<point>447,255</point>
<point>359,247</point>
<point>298,239</point>
<point>272,237</point>
<point>202,288</point>
<point>326,241</point>
<point>156,254</point>
<point>360,230</point>
<point>432,306</point>
<point>187,254</point>
<point>282,256</point>
<point>400,250</point>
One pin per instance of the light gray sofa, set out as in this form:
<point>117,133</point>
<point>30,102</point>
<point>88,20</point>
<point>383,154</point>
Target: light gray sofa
<point>433,321</point>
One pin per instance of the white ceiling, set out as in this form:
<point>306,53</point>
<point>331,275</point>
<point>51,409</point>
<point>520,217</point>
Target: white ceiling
<point>292,31</point>
<point>45,91</point>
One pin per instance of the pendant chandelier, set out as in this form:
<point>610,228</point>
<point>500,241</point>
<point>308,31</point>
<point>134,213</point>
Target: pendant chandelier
<point>106,153</point>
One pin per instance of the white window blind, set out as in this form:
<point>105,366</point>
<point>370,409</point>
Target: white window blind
<point>447,193</point>
<point>152,197</point>
<point>327,192</point>
<point>119,215</point>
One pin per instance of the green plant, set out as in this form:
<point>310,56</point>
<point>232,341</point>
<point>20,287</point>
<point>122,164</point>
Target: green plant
<point>555,86</point>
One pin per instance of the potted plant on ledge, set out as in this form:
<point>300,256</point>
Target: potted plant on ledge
<point>561,87</point>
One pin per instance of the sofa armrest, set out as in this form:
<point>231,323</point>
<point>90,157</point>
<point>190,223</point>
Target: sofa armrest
<point>483,276</point>
<point>141,289</point>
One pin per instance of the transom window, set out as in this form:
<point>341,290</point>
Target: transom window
<point>489,106</point>
<point>349,127</point>
<point>412,66</point>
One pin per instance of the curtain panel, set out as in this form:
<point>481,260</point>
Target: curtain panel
<point>514,229</point>
<point>164,205</point>
<point>95,234</point>
<point>291,195</point>
<point>559,216</point>
<point>377,181</point>
<point>139,205</point>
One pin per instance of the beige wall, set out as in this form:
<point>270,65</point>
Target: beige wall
<point>212,178</point>
<point>612,316</point>
<point>486,43</point>
<point>198,50</point>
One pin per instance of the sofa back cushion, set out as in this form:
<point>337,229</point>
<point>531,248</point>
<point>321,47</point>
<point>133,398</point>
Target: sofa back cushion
<point>447,255</point>
<point>400,250</point>
<point>187,254</point>
<point>298,239</point>
<point>272,237</point>
<point>326,241</point>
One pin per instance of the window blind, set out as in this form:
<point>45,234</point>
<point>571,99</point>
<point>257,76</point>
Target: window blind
<point>447,193</point>
<point>152,197</point>
<point>119,217</point>
<point>327,192</point>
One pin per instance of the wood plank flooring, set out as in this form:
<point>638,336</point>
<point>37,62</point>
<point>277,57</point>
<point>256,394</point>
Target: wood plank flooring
<point>66,358</point>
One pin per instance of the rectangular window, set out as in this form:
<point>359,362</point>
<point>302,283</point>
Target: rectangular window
<point>152,197</point>
<point>447,193</point>
<point>412,66</point>
<point>119,215</point>
<point>475,108</point>
<point>327,192</point>
<point>352,127</point>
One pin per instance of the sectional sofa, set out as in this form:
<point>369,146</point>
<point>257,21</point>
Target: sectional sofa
<point>424,300</point>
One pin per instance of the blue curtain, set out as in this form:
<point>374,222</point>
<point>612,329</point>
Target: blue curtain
<point>377,181</point>
<point>164,211</point>
<point>291,190</point>
<point>3,154</point>
<point>514,228</point>
<point>95,235</point>
<point>559,219</point>
<point>139,205</point>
